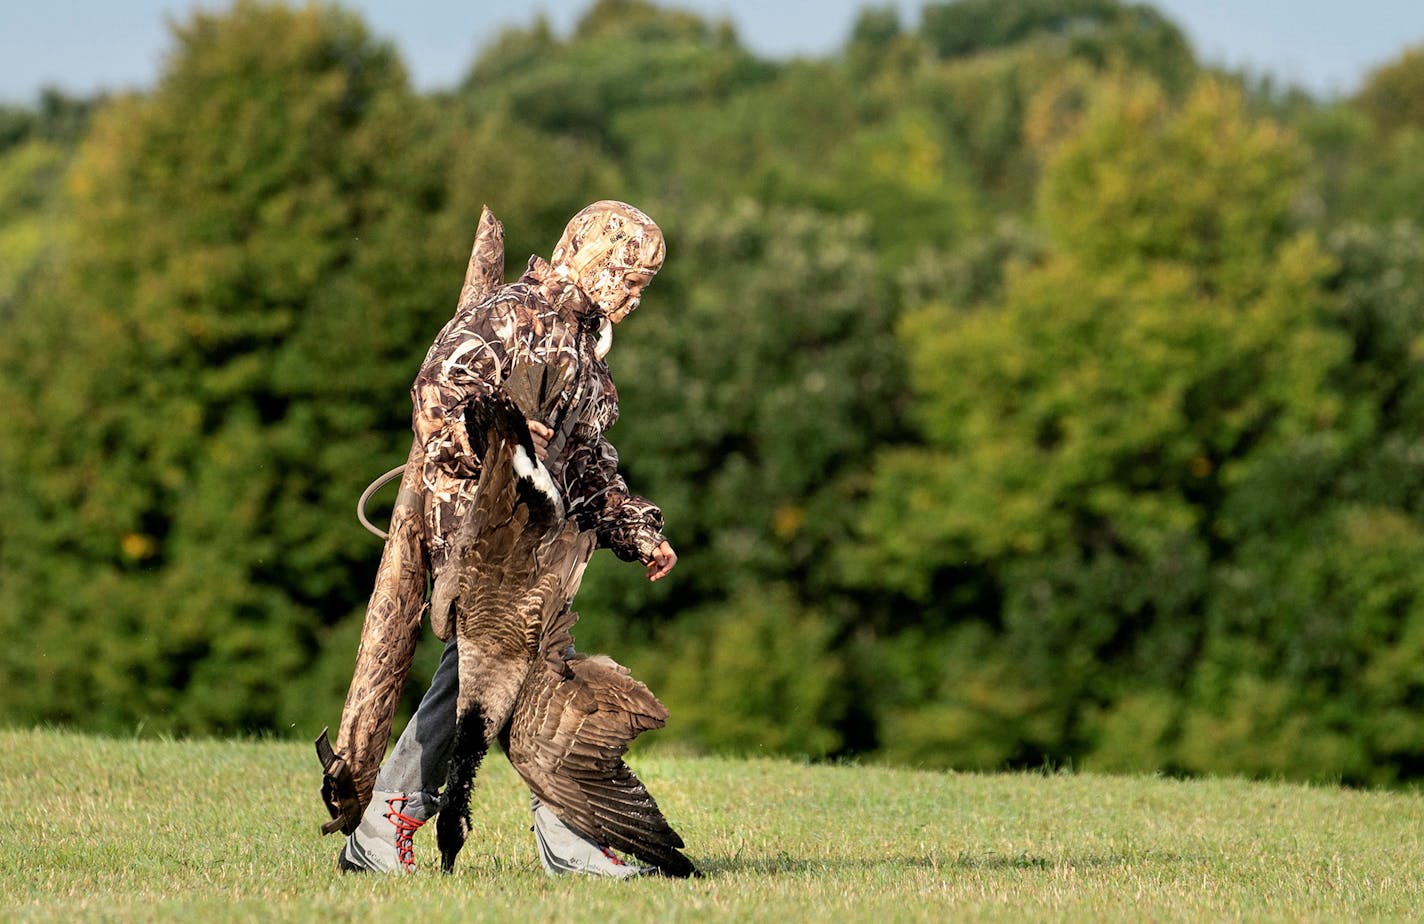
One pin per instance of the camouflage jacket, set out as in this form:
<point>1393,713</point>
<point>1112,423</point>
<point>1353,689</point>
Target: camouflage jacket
<point>544,317</point>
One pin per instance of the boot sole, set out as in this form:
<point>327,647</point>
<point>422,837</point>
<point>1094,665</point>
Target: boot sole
<point>344,865</point>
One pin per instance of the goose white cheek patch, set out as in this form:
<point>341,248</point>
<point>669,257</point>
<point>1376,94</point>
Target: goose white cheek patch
<point>537,474</point>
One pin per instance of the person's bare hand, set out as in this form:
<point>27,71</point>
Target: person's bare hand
<point>663,560</point>
<point>541,436</point>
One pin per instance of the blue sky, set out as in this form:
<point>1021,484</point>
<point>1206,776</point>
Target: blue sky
<point>86,45</point>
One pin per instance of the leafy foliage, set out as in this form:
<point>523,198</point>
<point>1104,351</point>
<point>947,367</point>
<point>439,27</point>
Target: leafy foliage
<point>1104,31</point>
<point>1391,94</point>
<point>1087,435</point>
<point>190,417</point>
<point>1016,391</point>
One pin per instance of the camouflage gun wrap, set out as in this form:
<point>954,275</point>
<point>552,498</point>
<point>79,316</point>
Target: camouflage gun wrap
<point>393,615</point>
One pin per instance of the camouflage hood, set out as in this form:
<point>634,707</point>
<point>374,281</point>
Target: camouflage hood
<point>610,250</point>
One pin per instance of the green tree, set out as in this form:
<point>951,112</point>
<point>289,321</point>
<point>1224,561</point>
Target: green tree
<point>1393,95</point>
<point>757,675</point>
<point>755,380</point>
<point>36,145</point>
<point>196,402</point>
<point>532,179</point>
<point>1081,433</point>
<point>1102,31</point>
<point>1311,656</point>
<point>58,119</point>
<point>623,56</point>
<point>1368,147</point>
<point>30,226</point>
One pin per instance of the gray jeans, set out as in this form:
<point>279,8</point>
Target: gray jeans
<point>422,753</point>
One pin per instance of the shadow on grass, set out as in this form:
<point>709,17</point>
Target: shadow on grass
<point>784,863</point>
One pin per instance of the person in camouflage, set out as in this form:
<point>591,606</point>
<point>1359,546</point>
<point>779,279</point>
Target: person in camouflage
<point>561,311</point>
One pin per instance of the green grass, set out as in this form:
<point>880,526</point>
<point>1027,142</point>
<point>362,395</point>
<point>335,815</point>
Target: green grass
<point>213,830</point>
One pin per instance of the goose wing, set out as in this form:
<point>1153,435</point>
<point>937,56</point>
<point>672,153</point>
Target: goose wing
<point>567,738</point>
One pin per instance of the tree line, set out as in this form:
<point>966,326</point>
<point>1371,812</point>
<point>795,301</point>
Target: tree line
<point>1018,390</point>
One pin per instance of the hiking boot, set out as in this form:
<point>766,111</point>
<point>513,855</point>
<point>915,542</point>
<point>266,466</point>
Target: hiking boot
<point>562,851</point>
<point>382,843</point>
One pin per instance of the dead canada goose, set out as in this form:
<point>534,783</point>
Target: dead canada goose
<point>565,720</point>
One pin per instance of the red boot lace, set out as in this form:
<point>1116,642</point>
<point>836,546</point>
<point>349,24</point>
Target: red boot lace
<point>405,828</point>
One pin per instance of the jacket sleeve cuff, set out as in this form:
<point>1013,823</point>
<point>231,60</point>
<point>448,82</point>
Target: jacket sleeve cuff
<point>635,542</point>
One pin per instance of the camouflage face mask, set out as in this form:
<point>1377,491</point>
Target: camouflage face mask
<point>610,250</point>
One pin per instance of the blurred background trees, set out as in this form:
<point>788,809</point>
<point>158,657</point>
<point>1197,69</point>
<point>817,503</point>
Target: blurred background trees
<point>1018,390</point>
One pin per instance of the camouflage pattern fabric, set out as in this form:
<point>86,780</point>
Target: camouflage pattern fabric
<point>546,317</point>
<point>605,244</point>
<point>393,615</point>
<point>553,313</point>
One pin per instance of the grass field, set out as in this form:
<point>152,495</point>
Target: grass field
<point>156,830</point>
